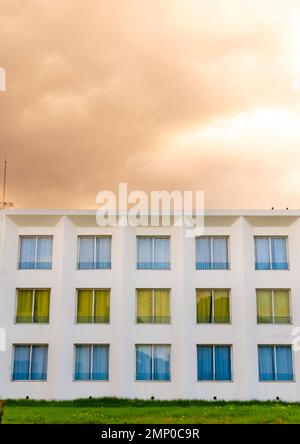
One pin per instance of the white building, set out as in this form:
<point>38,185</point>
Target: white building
<point>148,312</point>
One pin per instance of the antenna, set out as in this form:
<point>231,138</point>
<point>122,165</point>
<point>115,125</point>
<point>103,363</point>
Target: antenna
<point>4,181</point>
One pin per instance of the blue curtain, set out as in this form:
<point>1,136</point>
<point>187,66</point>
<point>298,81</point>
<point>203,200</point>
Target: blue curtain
<point>27,253</point>
<point>143,363</point>
<point>220,254</point>
<point>83,363</point>
<point>144,253</point>
<point>203,253</point>
<point>100,362</point>
<point>161,253</point>
<point>262,253</point>
<point>39,361</point>
<point>44,253</point>
<point>279,253</point>
<point>161,365</point>
<point>222,363</point>
<point>86,253</point>
<point>103,252</point>
<point>21,362</point>
<point>284,363</point>
<point>266,363</point>
<point>205,362</point>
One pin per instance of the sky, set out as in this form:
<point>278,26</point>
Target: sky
<point>161,94</point>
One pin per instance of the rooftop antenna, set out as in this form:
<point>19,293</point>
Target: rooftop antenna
<point>4,181</point>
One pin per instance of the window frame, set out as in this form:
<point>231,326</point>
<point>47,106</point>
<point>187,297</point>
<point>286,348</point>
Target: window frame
<point>93,307</point>
<point>33,305</point>
<point>31,345</point>
<point>92,345</point>
<point>270,237</point>
<point>211,237</point>
<point>153,306</point>
<point>212,290</point>
<point>274,346</point>
<point>152,362</point>
<point>152,237</point>
<point>273,290</point>
<point>231,380</point>
<point>36,237</point>
<point>94,237</point>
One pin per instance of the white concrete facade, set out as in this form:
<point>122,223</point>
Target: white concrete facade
<point>123,333</point>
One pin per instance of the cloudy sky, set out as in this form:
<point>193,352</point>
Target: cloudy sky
<point>161,94</point>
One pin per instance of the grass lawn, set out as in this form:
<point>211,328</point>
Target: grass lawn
<point>114,411</point>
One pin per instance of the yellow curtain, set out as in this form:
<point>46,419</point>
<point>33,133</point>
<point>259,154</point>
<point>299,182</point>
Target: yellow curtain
<point>144,306</point>
<point>281,306</point>
<point>162,306</point>
<point>221,307</point>
<point>41,306</point>
<point>24,306</point>
<point>264,306</point>
<point>85,306</point>
<point>101,306</point>
<point>204,306</point>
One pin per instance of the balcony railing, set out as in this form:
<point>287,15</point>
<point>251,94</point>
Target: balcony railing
<point>213,320</point>
<point>271,266</point>
<point>92,319</point>
<point>25,376</point>
<point>23,265</point>
<point>88,376</point>
<point>276,376</point>
<point>32,319</point>
<point>153,265</point>
<point>153,377</point>
<point>94,265</point>
<point>219,376</point>
<point>274,320</point>
<point>212,265</point>
<point>153,319</point>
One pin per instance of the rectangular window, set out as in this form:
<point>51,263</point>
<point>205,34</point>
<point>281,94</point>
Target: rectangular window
<point>275,363</point>
<point>212,253</point>
<point>94,252</point>
<point>93,306</point>
<point>153,362</point>
<point>153,253</point>
<point>35,252</point>
<point>91,362</point>
<point>30,363</point>
<point>213,306</point>
<point>273,306</point>
<point>33,306</point>
<point>153,306</point>
<point>214,362</point>
<point>271,253</point>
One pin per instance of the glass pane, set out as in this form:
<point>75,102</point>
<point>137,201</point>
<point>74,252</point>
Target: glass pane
<point>24,306</point>
<point>83,363</point>
<point>161,253</point>
<point>223,363</point>
<point>41,306</point>
<point>203,253</point>
<point>162,306</point>
<point>266,363</point>
<point>86,253</point>
<point>204,306</point>
<point>205,362</point>
<point>85,306</point>
<point>282,307</point>
<point>144,306</point>
<point>279,254</point>
<point>44,253</point>
<point>21,363</point>
<point>264,306</point>
<point>143,363</point>
<point>262,253</point>
<point>161,356</point>
<point>27,252</point>
<point>144,253</point>
<point>103,252</point>
<point>101,307</point>
<point>284,363</point>
<point>221,307</point>
<point>39,362</point>
<point>100,363</point>
<point>220,254</point>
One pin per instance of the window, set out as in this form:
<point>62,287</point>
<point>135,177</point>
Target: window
<point>273,306</point>
<point>35,252</point>
<point>153,253</point>
<point>212,253</point>
<point>271,253</point>
<point>93,306</point>
<point>213,306</point>
<point>214,362</point>
<point>153,362</point>
<point>30,363</point>
<point>33,306</point>
<point>94,252</point>
<point>91,362</point>
<point>275,363</point>
<point>153,306</point>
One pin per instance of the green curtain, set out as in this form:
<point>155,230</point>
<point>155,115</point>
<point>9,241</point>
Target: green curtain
<point>85,306</point>
<point>281,306</point>
<point>162,306</point>
<point>221,307</point>
<point>264,306</point>
<point>24,306</point>
<point>144,306</point>
<point>101,306</point>
<point>204,306</point>
<point>41,306</point>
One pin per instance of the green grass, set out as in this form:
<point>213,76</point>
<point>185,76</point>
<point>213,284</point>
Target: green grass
<point>114,411</point>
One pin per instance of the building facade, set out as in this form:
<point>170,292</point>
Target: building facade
<point>148,312</point>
